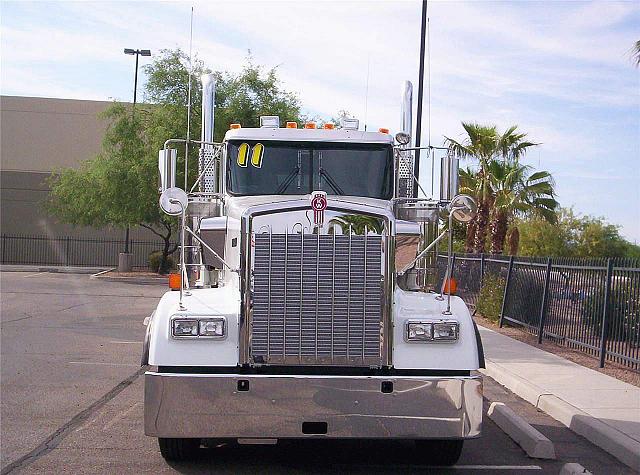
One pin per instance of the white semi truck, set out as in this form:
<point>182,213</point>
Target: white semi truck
<point>306,305</point>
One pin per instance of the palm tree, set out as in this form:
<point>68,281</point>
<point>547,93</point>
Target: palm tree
<point>485,144</point>
<point>517,193</point>
<point>635,53</point>
<point>469,185</point>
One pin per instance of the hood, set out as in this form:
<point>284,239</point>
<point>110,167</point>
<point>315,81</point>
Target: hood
<point>237,205</point>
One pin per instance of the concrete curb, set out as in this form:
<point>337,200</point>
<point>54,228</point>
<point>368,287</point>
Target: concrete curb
<point>574,469</point>
<point>618,444</point>
<point>52,269</point>
<point>524,434</point>
<point>131,280</point>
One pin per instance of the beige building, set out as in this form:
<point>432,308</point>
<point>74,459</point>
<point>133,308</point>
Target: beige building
<point>38,136</point>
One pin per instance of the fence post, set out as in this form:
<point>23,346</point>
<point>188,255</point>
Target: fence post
<point>66,257</point>
<point>543,306</point>
<point>606,310</point>
<point>4,246</point>
<point>481,268</point>
<point>506,286</point>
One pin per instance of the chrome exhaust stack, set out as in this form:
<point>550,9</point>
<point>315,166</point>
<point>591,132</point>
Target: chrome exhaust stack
<point>405,180</point>
<point>209,181</point>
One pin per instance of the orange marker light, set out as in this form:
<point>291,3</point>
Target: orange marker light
<point>292,125</point>
<point>383,130</point>
<point>329,126</point>
<point>235,126</point>
<point>174,281</point>
<point>450,284</point>
<point>310,125</point>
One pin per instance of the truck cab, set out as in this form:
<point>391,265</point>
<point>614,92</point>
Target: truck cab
<point>302,310</point>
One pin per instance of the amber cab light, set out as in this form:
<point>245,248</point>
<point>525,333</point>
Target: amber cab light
<point>174,281</point>
<point>329,126</point>
<point>383,130</point>
<point>292,125</point>
<point>450,284</point>
<point>310,125</point>
<point>235,126</point>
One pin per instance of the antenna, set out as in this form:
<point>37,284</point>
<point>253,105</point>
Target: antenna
<point>431,152</point>
<point>366,93</point>
<point>186,145</point>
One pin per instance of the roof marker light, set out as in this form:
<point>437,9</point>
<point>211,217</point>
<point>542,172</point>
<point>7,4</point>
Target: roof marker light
<point>350,124</point>
<point>383,130</point>
<point>269,121</point>
<point>292,125</point>
<point>234,126</point>
<point>329,126</point>
<point>310,125</point>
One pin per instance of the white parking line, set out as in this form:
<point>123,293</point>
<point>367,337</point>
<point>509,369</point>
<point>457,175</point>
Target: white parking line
<point>120,342</point>
<point>103,364</point>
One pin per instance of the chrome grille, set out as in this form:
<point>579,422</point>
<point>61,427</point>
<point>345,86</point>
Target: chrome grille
<point>317,299</point>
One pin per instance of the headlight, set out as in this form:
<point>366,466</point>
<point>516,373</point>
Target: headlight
<point>432,331</point>
<point>419,331</point>
<point>212,327</point>
<point>185,328</point>
<point>445,331</point>
<point>198,327</point>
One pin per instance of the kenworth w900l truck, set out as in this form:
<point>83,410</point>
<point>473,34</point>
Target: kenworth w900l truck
<point>308,303</point>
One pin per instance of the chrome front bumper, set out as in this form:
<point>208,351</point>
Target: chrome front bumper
<point>276,406</point>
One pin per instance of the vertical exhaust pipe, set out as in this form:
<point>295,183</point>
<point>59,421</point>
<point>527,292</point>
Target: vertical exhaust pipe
<point>406,109</point>
<point>209,181</point>
<point>405,183</point>
<point>208,106</point>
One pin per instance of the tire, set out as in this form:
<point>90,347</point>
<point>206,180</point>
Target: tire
<point>440,452</point>
<point>178,450</point>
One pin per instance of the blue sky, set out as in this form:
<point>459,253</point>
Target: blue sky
<point>560,70</point>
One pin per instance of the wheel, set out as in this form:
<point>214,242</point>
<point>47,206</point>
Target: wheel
<point>177,450</point>
<point>440,452</point>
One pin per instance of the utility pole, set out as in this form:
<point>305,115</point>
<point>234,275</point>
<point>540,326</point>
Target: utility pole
<point>137,53</point>
<point>423,34</point>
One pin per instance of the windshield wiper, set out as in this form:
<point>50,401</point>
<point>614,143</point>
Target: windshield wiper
<point>285,184</point>
<point>332,183</point>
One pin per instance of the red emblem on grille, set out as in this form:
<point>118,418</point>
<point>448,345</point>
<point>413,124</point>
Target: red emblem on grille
<point>318,204</point>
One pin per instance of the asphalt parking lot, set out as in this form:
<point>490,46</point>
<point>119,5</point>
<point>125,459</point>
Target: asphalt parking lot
<point>72,399</point>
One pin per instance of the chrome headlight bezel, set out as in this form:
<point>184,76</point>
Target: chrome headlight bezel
<point>198,320</point>
<point>430,332</point>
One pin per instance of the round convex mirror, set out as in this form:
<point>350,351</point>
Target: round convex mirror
<point>173,200</point>
<point>463,208</point>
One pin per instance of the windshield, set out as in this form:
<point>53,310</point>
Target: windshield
<point>298,168</point>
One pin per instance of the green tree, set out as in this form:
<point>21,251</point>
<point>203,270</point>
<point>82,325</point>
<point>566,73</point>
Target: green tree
<point>573,236</point>
<point>484,143</point>
<point>114,188</point>
<point>517,193</point>
<point>119,186</point>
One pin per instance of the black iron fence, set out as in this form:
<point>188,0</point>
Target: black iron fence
<point>72,251</point>
<point>588,304</point>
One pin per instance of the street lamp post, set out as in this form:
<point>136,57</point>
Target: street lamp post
<point>137,53</point>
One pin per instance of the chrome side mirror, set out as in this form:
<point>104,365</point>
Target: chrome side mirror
<point>167,159</point>
<point>174,201</point>
<point>463,208</point>
<point>449,171</point>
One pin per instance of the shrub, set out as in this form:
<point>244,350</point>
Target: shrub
<point>525,295</point>
<point>623,318</point>
<point>489,301</point>
<point>154,262</point>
